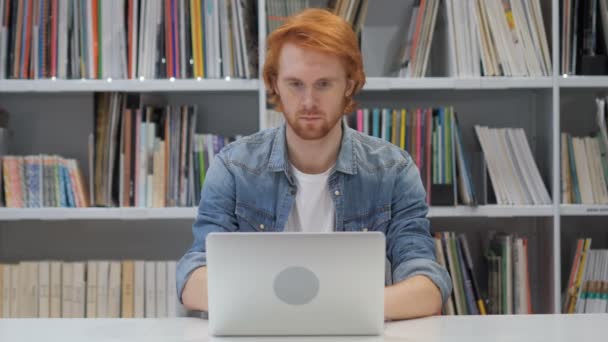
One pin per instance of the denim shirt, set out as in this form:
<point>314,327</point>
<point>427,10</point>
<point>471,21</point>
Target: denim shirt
<point>375,186</point>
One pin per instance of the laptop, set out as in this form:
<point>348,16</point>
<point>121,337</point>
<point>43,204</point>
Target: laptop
<point>262,284</point>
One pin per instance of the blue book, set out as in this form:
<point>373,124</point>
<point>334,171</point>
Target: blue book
<point>388,124</point>
<point>376,123</point>
<point>68,186</point>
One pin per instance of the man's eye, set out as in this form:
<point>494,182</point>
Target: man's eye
<point>295,84</point>
<point>323,84</point>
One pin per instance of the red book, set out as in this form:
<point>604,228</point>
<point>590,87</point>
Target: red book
<point>54,14</point>
<point>168,39</point>
<point>25,71</point>
<point>96,34</point>
<point>419,19</point>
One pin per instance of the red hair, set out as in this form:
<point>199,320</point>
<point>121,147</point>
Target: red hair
<point>321,30</point>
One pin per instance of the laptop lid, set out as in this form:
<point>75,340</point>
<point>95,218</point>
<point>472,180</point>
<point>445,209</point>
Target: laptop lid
<point>296,283</point>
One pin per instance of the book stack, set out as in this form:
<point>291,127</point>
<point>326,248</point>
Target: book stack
<point>508,275</point>
<point>453,253</point>
<point>145,156</point>
<point>497,38</point>
<point>89,289</point>
<point>513,171</point>
<point>42,181</point>
<point>414,58</point>
<point>122,39</point>
<point>432,137</point>
<point>588,282</point>
<point>585,164</point>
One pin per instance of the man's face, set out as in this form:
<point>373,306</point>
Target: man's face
<point>312,87</point>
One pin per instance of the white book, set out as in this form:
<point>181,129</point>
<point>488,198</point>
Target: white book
<point>103,276</point>
<point>521,169</point>
<point>236,39</point>
<point>114,289</point>
<point>62,38</point>
<point>6,291</point>
<point>32,291</point>
<point>14,294</point>
<point>79,288</point>
<point>161,289</point>
<point>537,180</point>
<point>226,55</point>
<point>172,302</point>
<point>515,187</point>
<point>139,290</point>
<point>44,288</point>
<point>602,187</point>
<point>56,289</point>
<point>150,289</point>
<point>593,176</point>
<point>540,28</point>
<point>67,292</point>
<point>582,171</point>
<point>243,40</point>
<point>92,274</point>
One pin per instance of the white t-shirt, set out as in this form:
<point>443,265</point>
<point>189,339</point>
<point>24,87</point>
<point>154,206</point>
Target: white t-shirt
<point>313,209</point>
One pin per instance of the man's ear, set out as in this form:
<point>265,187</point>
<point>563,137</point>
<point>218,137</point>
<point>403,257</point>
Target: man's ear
<point>275,87</point>
<point>350,87</point>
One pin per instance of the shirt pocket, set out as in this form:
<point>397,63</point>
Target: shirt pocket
<point>374,220</point>
<point>252,219</point>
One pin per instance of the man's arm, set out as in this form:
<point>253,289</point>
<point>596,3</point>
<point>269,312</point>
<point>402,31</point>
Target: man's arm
<point>215,214</point>
<point>414,297</point>
<point>421,285</point>
<point>194,295</point>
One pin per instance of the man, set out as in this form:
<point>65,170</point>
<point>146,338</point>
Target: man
<point>315,174</point>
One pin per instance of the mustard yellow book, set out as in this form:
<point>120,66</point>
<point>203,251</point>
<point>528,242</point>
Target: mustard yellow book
<point>579,276</point>
<point>394,127</point>
<point>193,36</point>
<point>403,117</point>
<point>128,274</point>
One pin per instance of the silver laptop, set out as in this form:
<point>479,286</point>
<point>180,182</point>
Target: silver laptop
<point>263,284</point>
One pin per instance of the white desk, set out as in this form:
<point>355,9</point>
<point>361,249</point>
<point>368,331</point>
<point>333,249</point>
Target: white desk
<point>578,328</point>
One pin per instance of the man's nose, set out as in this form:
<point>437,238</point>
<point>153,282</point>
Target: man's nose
<point>309,99</point>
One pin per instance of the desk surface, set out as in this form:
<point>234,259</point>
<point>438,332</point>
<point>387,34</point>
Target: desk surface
<point>576,328</point>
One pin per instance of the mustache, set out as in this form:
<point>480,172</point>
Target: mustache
<point>310,113</point>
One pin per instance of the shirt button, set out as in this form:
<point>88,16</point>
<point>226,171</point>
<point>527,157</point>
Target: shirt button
<point>337,193</point>
<point>262,227</point>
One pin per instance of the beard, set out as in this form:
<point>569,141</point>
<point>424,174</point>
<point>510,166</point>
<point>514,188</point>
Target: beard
<point>312,129</point>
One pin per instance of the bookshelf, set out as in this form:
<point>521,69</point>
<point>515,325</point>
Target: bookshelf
<point>56,116</point>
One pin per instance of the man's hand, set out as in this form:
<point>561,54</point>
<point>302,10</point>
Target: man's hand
<point>414,297</point>
<point>194,295</point>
